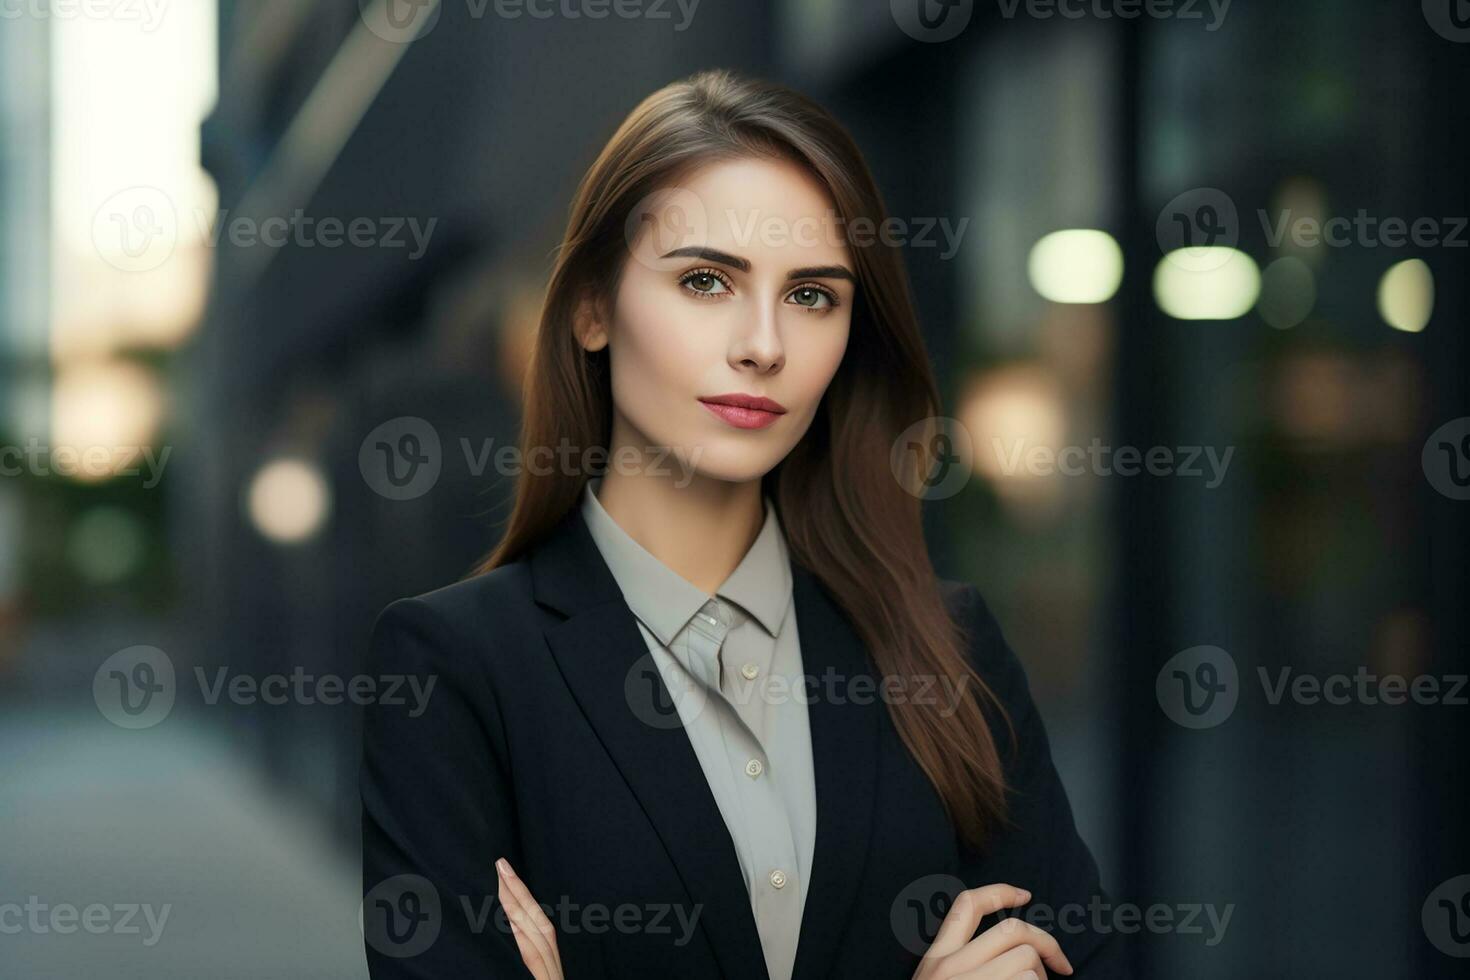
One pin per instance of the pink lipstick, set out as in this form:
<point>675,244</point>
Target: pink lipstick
<point>744,411</point>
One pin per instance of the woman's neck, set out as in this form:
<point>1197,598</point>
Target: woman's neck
<point>699,526</point>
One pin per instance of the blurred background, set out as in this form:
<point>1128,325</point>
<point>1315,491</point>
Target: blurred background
<point>1199,316</point>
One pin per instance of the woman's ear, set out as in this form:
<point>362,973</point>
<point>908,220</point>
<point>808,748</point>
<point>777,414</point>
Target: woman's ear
<point>589,324</point>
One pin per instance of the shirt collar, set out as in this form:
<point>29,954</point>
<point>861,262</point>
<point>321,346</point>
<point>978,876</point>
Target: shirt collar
<point>664,600</point>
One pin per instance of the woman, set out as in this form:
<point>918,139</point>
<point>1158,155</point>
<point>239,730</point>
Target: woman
<point>706,710</point>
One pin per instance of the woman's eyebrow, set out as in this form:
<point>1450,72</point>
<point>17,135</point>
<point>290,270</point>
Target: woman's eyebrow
<point>712,254</point>
<point>736,262</point>
<point>823,272</point>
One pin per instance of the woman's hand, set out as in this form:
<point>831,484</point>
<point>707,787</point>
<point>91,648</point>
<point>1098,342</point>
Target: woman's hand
<point>535,935</point>
<point>1012,949</point>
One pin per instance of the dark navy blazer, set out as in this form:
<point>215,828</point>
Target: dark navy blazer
<point>549,739</point>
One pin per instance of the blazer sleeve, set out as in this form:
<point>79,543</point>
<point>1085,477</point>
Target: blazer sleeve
<point>436,808</point>
<point>1041,850</point>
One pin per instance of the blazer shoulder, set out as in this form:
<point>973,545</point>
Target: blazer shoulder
<point>498,592</point>
<point>481,614</point>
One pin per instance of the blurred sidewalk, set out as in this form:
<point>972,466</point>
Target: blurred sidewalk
<point>172,823</point>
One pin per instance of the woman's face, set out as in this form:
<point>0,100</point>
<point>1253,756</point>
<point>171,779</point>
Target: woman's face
<point>737,285</point>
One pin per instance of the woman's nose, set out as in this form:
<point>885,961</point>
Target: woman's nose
<point>758,344</point>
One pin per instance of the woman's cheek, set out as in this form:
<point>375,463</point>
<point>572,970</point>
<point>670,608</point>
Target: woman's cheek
<point>654,374</point>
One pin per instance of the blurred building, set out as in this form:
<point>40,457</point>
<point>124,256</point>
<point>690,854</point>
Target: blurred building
<point>328,243</point>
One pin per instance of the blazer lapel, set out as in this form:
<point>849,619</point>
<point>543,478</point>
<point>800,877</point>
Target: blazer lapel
<point>605,661</point>
<point>845,761</point>
<point>602,654</point>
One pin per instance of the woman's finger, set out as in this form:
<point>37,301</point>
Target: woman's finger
<point>528,940</point>
<point>970,906</point>
<point>520,906</point>
<point>1008,935</point>
<point>528,901</point>
<point>1021,963</point>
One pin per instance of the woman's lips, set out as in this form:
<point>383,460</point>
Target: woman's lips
<point>742,418</point>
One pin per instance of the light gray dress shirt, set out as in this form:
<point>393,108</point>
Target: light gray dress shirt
<point>732,664</point>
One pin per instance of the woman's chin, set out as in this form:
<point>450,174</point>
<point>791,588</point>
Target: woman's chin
<point>729,463</point>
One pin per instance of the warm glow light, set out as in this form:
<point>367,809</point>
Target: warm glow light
<point>130,204</point>
<point>1406,296</point>
<point>1207,283</point>
<point>1076,266</point>
<point>1009,412</point>
<point>103,414</point>
<point>288,500</point>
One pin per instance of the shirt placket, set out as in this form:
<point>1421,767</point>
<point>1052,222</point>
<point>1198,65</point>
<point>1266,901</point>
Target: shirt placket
<point>775,893</point>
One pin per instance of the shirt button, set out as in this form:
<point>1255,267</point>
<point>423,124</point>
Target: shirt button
<point>753,768</point>
<point>749,671</point>
<point>778,878</point>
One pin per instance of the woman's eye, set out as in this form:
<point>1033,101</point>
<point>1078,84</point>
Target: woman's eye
<point>704,283</point>
<point>812,298</point>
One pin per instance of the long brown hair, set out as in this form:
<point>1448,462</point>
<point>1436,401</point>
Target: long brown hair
<point>847,518</point>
